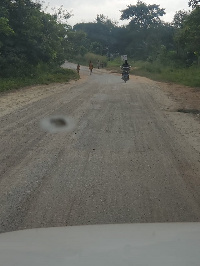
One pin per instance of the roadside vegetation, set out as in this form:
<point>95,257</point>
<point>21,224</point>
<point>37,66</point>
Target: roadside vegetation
<point>55,75</point>
<point>155,49</point>
<point>188,76</point>
<point>34,44</point>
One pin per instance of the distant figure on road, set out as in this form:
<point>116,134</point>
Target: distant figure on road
<point>78,68</point>
<point>98,64</point>
<point>125,69</point>
<point>90,67</point>
<point>125,66</point>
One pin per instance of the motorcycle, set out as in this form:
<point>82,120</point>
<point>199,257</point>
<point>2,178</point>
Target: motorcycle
<point>125,73</point>
<point>125,76</point>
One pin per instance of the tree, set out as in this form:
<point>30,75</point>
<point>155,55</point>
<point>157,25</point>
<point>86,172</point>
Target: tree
<point>96,47</point>
<point>5,28</point>
<point>145,30</point>
<point>143,15</point>
<point>194,3</point>
<point>179,19</point>
<point>178,23</point>
<point>30,36</point>
<point>189,36</point>
<point>74,43</point>
<point>102,31</point>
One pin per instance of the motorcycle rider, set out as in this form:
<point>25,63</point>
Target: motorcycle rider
<point>125,68</point>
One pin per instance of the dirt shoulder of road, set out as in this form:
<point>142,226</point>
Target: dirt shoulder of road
<point>183,97</point>
<point>186,98</point>
<point>181,105</point>
<point>185,111</point>
<point>15,99</point>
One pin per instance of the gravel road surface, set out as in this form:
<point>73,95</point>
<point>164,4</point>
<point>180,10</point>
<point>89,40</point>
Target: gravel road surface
<point>122,161</point>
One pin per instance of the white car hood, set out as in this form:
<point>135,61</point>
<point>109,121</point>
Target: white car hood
<point>158,244</point>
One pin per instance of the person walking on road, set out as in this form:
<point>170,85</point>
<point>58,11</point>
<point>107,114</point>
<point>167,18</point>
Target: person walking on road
<point>90,67</point>
<point>78,68</point>
<point>98,64</point>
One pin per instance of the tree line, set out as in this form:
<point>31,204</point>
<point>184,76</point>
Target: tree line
<point>29,36</point>
<point>146,36</point>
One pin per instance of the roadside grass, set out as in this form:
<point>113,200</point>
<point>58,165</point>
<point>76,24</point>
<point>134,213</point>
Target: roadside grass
<point>189,76</point>
<point>114,65</point>
<point>41,76</point>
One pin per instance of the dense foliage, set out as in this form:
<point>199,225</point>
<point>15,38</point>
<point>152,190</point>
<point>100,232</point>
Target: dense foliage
<point>146,37</point>
<point>194,3</point>
<point>29,37</point>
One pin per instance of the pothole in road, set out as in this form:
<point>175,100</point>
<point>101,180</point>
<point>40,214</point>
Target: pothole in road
<point>56,124</point>
<point>189,111</point>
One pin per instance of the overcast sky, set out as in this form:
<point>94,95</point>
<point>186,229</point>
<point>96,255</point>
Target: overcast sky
<point>87,10</point>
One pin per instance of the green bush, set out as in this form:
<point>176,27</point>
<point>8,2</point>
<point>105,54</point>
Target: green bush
<point>181,75</point>
<point>115,64</point>
<point>41,75</point>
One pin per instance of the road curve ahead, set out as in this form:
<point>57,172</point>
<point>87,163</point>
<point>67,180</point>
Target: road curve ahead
<point>122,161</point>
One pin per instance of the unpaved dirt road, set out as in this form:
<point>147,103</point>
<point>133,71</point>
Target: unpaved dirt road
<point>130,157</point>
